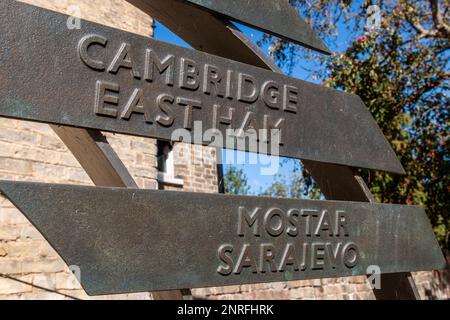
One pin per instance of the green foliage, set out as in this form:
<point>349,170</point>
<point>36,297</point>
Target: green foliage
<point>401,72</point>
<point>296,186</point>
<point>235,181</point>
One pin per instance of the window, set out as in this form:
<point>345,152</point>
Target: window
<point>166,166</point>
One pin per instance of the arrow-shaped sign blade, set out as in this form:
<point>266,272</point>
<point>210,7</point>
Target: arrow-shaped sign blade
<point>276,17</point>
<point>102,78</point>
<point>126,240</point>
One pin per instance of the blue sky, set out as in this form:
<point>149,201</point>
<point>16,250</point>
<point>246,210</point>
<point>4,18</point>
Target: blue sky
<point>256,180</point>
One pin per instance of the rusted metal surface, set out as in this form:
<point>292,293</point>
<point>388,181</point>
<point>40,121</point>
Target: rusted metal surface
<point>276,17</point>
<point>129,240</point>
<point>55,75</point>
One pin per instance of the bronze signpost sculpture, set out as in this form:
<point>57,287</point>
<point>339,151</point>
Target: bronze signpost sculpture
<point>100,78</point>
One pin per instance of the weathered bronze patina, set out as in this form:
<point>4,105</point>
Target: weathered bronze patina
<point>129,240</point>
<point>276,17</point>
<point>102,78</point>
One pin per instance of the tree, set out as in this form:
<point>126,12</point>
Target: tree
<point>235,181</point>
<point>295,186</point>
<point>401,72</point>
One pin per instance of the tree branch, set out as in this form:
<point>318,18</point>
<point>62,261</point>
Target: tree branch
<point>422,32</point>
<point>439,29</point>
<point>438,18</point>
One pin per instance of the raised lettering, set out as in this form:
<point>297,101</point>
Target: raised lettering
<point>101,87</point>
<point>324,224</point>
<point>274,221</point>
<point>189,105</point>
<point>136,105</point>
<point>123,59</point>
<point>308,214</point>
<point>350,255</point>
<point>266,258</point>
<point>218,119</point>
<point>246,88</point>
<point>224,256</point>
<point>292,217</point>
<point>166,66</point>
<point>290,100</point>
<point>245,260</point>
<point>189,74</point>
<point>249,219</point>
<point>289,258</point>
<point>317,255</point>
<point>212,77</point>
<point>270,93</point>
<point>83,47</point>
<point>269,125</point>
<point>164,101</point>
<point>341,223</point>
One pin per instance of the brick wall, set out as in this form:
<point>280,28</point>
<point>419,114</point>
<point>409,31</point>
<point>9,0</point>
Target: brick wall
<point>196,166</point>
<point>114,13</point>
<point>431,285</point>
<point>32,152</point>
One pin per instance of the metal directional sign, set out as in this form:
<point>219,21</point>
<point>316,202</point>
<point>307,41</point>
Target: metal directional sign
<point>276,17</point>
<point>127,240</point>
<point>102,78</point>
